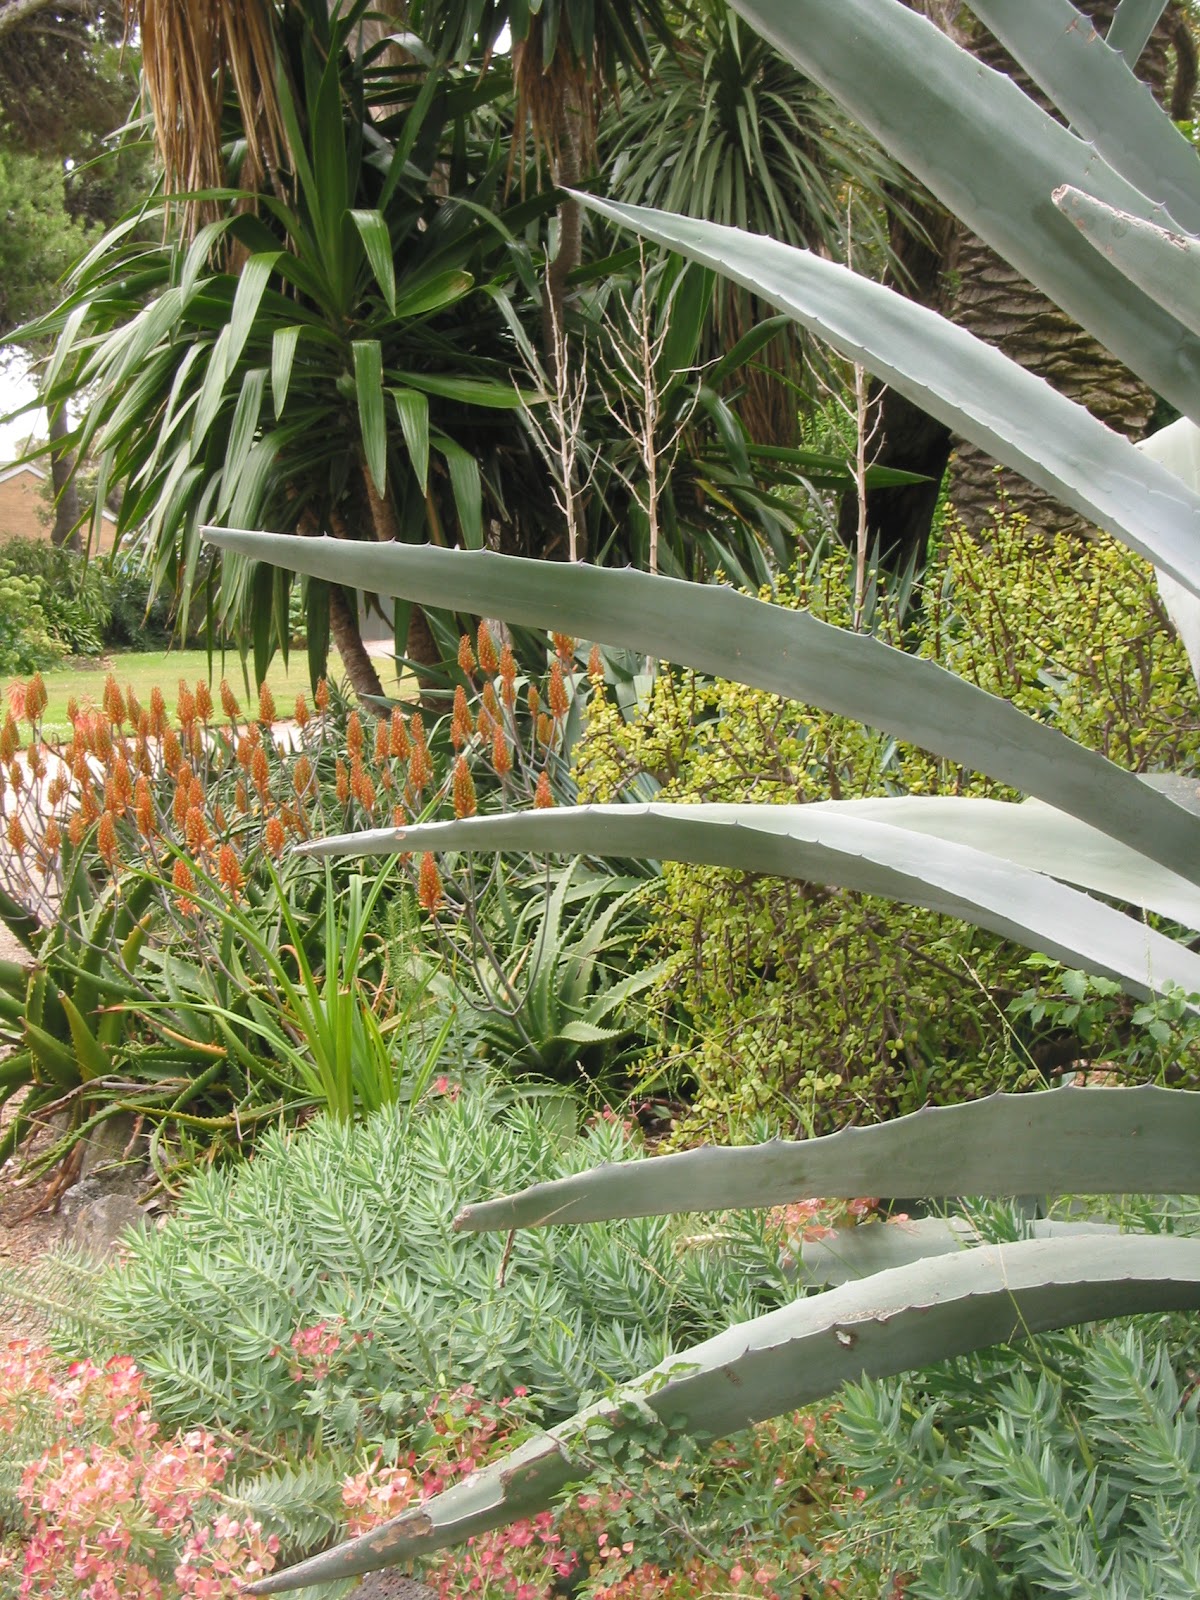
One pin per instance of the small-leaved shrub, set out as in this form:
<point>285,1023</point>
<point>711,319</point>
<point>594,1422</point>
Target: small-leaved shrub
<point>26,643</point>
<point>824,1004</point>
<point>74,593</point>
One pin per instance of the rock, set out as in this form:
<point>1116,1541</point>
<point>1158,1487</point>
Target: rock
<point>104,1154</point>
<point>93,1215</point>
<point>388,1584</point>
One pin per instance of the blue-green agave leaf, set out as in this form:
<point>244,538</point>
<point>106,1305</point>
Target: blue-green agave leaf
<point>1008,411</point>
<point>768,647</point>
<point>1160,260</point>
<point>1059,1141</point>
<point>820,846</point>
<point>1091,84</point>
<point>992,156</point>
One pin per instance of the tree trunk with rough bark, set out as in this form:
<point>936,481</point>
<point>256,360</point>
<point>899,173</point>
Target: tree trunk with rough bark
<point>899,519</point>
<point>347,636</point>
<point>344,627</point>
<point>369,514</point>
<point>420,646</point>
<point>65,532</point>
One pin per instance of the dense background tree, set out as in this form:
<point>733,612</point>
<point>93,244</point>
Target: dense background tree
<point>66,82</point>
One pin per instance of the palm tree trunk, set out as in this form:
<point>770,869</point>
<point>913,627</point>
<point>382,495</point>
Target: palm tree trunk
<point>347,636</point>
<point>420,646</point>
<point>343,618</point>
<point>899,519</point>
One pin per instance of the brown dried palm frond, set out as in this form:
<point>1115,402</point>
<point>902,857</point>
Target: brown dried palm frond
<point>191,51</point>
<point>557,100</point>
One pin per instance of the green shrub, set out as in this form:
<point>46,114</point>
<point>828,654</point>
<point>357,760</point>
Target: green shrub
<point>822,1004</point>
<point>26,643</point>
<point>138,622</point>
<point>1072,631</point>
<point>351,1226</point>
<point>74,593</point>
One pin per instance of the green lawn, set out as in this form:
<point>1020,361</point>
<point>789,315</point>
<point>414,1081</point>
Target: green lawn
<point>163,669</point>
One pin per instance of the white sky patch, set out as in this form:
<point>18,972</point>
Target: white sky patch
<point>17,387</point>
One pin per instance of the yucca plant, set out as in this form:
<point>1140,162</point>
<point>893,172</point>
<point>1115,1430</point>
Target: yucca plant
<point>1022,870</point>
<point>326,353</point>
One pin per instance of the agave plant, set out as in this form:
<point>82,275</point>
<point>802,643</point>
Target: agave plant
<point>1093,214</point>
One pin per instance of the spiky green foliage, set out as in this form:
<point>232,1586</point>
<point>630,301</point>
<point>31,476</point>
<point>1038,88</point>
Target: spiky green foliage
<point>547,973</point>
<point>352,1227</point>
<point>1080,1478</point>
<point>299,1502</point>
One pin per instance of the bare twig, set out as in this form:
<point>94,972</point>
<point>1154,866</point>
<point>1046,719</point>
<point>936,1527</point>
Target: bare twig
<point>637,411</point>
<point>557,439</point>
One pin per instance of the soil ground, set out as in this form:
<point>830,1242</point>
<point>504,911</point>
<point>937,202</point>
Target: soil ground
<point>26,1231</point>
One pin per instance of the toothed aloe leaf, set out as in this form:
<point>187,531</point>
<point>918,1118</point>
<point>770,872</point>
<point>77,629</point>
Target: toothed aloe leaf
<point>1160,260</point>
<point>1008,411</point>
<point>768,647</point>
<point>1061,1141</point>
<point>818,846</point>
<point>993,157</point>
<point>900,1319</point>
<point>1092,86</point>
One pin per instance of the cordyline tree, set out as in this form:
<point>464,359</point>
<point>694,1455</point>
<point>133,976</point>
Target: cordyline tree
<point>356,259</point>
<point>322,340</point>
<point>311,340</point>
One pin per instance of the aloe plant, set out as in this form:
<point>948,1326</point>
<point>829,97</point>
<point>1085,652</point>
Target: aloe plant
<point>1052,200</point>
<point>549,982</point>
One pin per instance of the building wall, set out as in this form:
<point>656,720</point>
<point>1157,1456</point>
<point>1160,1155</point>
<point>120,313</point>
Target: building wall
<point>25,511</point>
